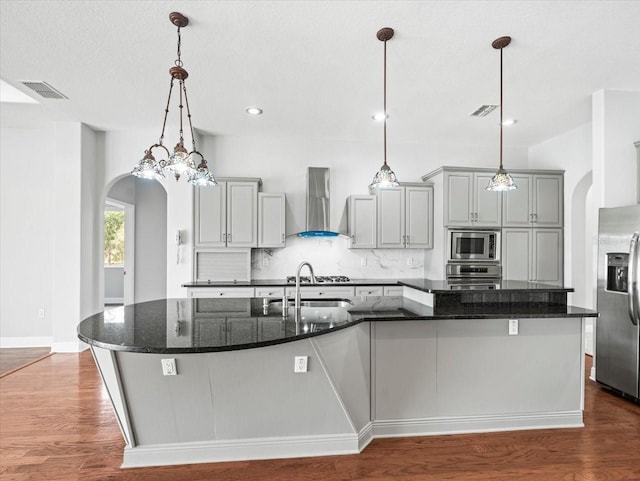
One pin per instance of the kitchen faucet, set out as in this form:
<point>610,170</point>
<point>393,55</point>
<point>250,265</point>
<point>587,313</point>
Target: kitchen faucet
<point>313,280</point>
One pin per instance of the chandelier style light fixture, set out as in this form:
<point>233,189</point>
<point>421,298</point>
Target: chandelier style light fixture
<point>385,176</point>
<point>502,181</point>
<point>180,162</point>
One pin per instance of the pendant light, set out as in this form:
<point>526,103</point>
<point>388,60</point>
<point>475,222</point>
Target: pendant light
<point>385,176</point>
<point>502,181</point>
<point>180,162</point>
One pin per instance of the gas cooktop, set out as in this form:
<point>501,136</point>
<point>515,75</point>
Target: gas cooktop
<point>319,279</point>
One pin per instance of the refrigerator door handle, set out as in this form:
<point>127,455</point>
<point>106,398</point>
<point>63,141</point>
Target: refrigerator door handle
<point>632,284</point>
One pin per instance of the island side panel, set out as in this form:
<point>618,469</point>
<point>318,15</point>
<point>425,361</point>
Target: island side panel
<point>231,396</point>
<point>404,370</point>
<point>469,375</point>
<point>482,370</point>
<point>347,359</point>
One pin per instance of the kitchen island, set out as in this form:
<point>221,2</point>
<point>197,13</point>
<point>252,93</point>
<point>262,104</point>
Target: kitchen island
<point>421,364</point>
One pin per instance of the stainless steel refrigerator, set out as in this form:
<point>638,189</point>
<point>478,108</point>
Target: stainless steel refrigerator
<point>617,353</point>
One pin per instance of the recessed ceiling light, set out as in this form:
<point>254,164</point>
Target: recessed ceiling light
<point>380,116</point>
<point>508,122</point>
<point>253,111</point>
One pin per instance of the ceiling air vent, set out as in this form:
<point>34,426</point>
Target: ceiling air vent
<point>44,90</point>
<point>483,110</point>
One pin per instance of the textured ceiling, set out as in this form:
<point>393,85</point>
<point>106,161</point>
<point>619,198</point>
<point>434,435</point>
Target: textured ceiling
<point>315,67</point>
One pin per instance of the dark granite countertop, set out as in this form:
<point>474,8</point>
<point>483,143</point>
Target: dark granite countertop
<point>426,285</point>
<point>210,325</point>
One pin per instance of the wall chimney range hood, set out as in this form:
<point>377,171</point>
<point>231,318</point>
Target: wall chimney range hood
<point>318,211</point>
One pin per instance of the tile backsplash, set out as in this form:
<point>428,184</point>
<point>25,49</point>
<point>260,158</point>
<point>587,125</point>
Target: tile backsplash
<point>332,256</point>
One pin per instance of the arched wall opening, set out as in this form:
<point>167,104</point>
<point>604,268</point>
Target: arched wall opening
<point>148,199</point>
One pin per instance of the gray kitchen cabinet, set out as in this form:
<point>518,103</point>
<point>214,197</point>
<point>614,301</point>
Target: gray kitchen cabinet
<point>533,255</point>
<point>316,291</point>
<point>270,292</point>
<point>537,202</point>
<point>362,221</point>
<point>405,216</point>
<point>242,330</point>
<point>467,203</point>
<point>209,331</point>
<point>220,292</point>
<point>269,329</point>
<point>225,215</point>
<point>369,291</point>
<point>271,219</point>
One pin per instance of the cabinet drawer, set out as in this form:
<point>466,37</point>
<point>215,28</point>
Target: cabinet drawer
<point>212,292</point>
<point>276,292</point>
<point>314,292</point>
<point>393,290</point>
<point>369,291</point>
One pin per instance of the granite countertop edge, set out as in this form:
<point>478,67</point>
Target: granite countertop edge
<point>571,312</point>
<point>426,285</point>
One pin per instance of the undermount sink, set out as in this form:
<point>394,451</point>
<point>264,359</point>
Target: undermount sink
<point>314,314</point>
<point>343,303</point>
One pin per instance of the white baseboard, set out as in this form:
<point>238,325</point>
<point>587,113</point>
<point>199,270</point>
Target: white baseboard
<point>25,342</point>
<point>237,450</point>
<point>328,445</point>
<point>75,346</point>
<point>476,424</point>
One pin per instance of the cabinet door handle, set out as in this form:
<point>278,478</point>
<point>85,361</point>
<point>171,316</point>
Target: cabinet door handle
<point>283,237</point>
<point>535,217</point>
<point>228,237</point>
<point>408,241</point>
<point>224,237</point>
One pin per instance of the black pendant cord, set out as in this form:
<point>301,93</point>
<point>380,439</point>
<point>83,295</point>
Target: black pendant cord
<point>501,108</point>
<point>384,105</point>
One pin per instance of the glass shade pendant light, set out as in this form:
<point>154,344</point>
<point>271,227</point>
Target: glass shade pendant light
<point>180,162</point>
<point>385,177</point>
<point>502,181</point>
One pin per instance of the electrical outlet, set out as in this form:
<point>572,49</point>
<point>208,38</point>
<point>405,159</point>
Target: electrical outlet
<point>410,262</point>
<point>169,367</point>
<point>513,327</point>
<point>363,261</point>
<point>300,364</point>
<point>41,313</point>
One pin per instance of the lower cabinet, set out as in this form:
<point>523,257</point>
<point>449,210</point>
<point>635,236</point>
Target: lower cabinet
<point>533,255</point>
<point>221,331</point>
<point>231,292</point>
<point>320,292</point>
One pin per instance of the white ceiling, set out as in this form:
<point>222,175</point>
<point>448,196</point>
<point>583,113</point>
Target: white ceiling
<point>315,67</point>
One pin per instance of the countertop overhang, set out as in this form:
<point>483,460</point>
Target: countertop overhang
<point>426,285</point>
<point>172,325</point>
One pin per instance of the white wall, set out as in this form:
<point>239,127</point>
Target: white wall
<point>571,152</point>
<point>151,241</point>
<point>26,236</point>
<point>616,126</point>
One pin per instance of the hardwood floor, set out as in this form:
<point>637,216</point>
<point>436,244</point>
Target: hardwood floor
<point>56,424</point>
<point>12,359</point>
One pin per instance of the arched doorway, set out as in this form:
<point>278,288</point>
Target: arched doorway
<point>145,256</point>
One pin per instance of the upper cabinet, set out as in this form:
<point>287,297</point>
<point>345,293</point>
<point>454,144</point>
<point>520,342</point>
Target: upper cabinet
<point>467,203</point>
<point>537,202</point>
<point>405,216</point>
<point>225,215</point>
<point>363,221</point>
<point>271,219</point>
